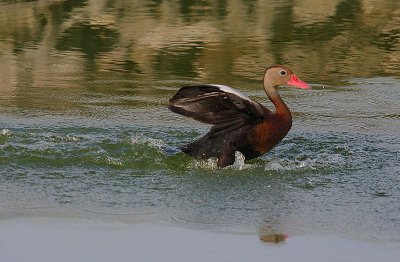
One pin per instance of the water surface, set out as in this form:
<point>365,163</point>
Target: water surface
<point>85,129</point>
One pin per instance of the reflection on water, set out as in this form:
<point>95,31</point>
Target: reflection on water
<point>84,125</point>
<point>273,238</point>
<point>203,40</point>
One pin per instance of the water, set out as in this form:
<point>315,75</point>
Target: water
<point>84,128</point>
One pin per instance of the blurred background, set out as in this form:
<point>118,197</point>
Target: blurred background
<point>201,40</point>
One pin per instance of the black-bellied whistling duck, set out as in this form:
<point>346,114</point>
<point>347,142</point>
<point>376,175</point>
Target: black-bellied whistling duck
<point>238,123</point>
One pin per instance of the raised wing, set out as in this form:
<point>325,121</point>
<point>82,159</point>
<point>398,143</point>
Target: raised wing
<point>221,106</point>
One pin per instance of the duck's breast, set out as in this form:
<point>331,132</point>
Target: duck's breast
<point>269,133</point>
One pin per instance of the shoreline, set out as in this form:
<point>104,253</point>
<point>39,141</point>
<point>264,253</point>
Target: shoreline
<point>50,239</point>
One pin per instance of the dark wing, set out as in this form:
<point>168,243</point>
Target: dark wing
<point>221,106</point>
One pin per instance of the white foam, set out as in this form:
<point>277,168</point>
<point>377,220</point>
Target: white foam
<point>239,161</point>
<point>208,164</point>
<point>5,132</point>
<point>300,162</point>
<point>212,163</point>
<point>140,139</point>
<point>113,161</point>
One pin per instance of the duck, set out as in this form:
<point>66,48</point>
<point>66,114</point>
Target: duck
<point>238,123</point>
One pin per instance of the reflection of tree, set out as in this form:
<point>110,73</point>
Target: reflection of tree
<point>388,40</point>
<point>286,31</point>
<point>62,10</point>
<point>342,42</point>
<point>91,40</point>
<point>205,40</point>
<point>178,62</point>
<point>192,9</point>
<point>27,36</point>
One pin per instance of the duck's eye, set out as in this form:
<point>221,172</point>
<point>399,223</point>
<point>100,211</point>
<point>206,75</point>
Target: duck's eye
<point>282,72</point>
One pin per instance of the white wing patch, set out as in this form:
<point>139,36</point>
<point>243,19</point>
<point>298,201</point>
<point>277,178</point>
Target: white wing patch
<point>228,89</point>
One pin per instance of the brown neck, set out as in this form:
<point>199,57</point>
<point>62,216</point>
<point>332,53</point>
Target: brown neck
<point>281,108</point>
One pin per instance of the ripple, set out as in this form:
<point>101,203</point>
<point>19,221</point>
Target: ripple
<point>357,106</point>
<point>116,213</point>
<point>391,116</point>
<point>381,194</point>
<point>207,222</point>
<point>64,138</point>
<point>27,207</point>
<point>127,172</point>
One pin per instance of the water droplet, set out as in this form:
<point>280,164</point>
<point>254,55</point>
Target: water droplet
<point>239,161</point>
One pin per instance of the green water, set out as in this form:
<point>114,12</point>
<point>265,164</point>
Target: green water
<point>85,131</point>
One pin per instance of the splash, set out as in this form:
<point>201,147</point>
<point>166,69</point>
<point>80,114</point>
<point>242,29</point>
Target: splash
<point>112,161</point>
<point>208,164</point>
<point>239,161</point>
<point>5,132</point>
<point>304,162</point>
<point>212,163</point>
<point>139,139</point>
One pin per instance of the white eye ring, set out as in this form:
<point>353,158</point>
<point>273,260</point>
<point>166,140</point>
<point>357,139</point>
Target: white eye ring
<point>282,72</point>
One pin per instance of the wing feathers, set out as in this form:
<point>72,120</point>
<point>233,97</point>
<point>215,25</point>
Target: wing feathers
<point>226,109</point>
